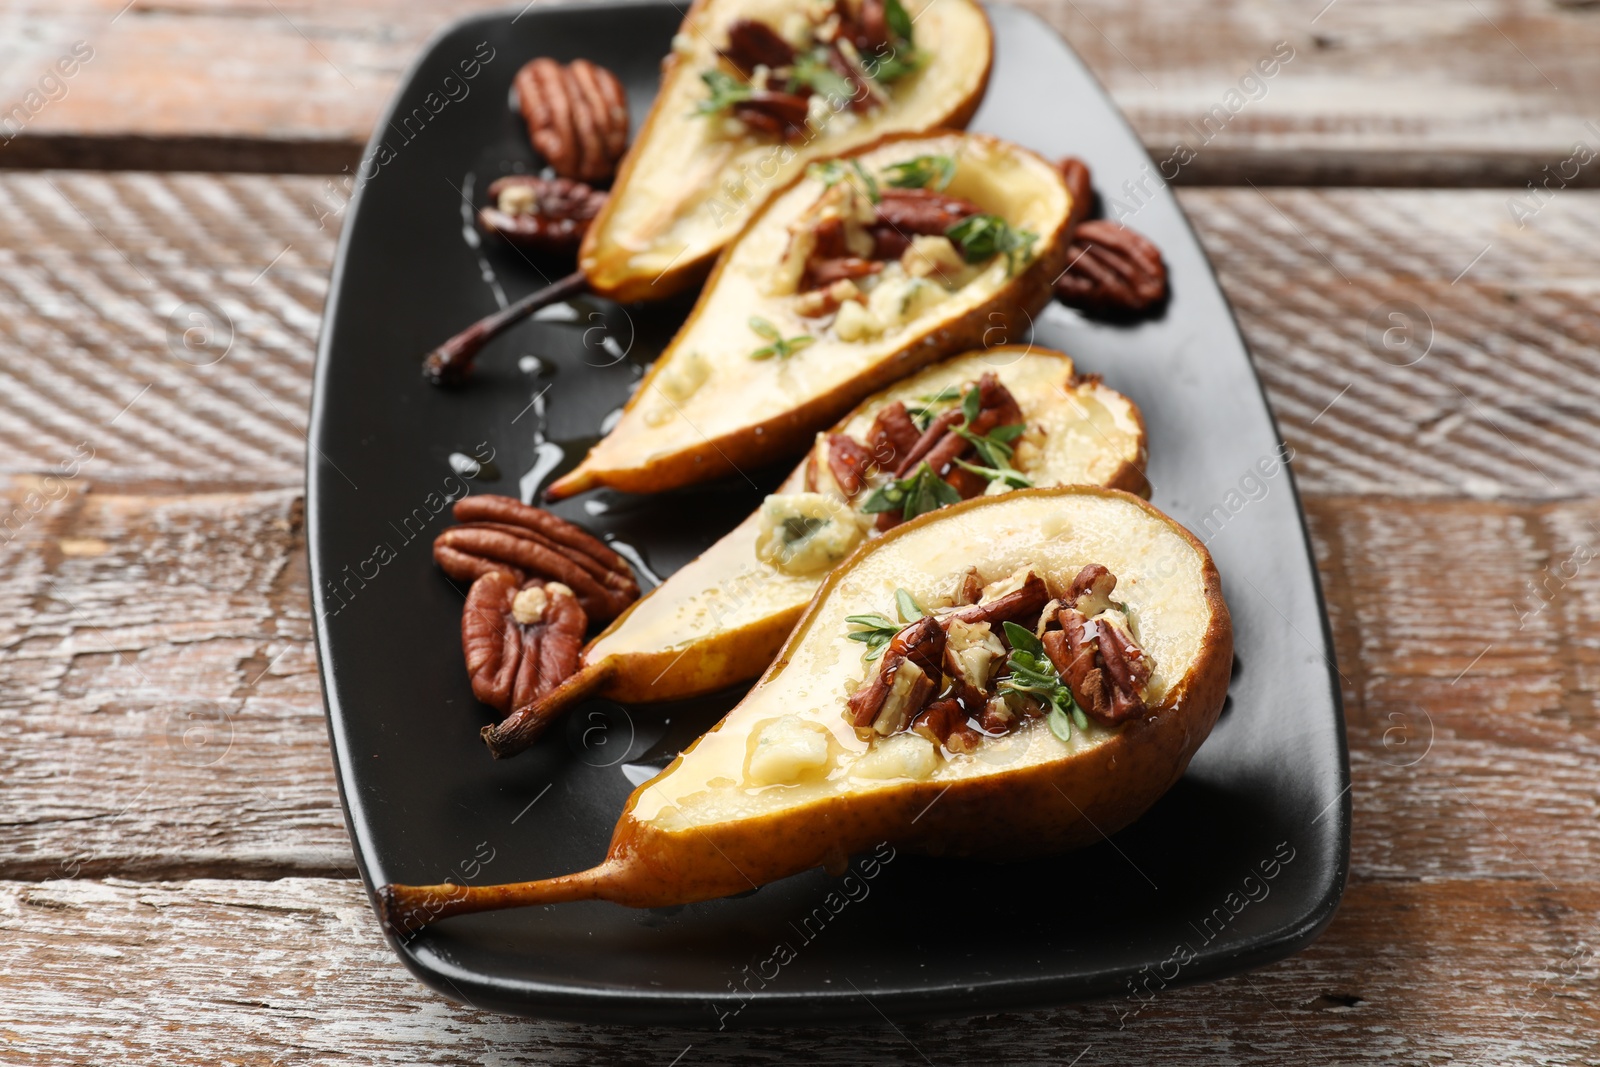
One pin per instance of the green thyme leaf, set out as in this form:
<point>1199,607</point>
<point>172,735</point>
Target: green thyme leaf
<point>895,64</point>
<point>922,172</point>
<point>867,180</point>
<point>994,447</point>
<point>919,492</point>
<point>779,346</point>
<point>982,237</point>
<point>1023,638</point>
<point>726,90</point>
<point>1033,674</point>
<point>895,14</point>
<point>932,404</point>
<point>906,604</point>
<point>811,71</point>
<point>900,56</point>
<point>834,171</point>
<point>971,405</point>
<point>998,474</point>
<point>874,631</point>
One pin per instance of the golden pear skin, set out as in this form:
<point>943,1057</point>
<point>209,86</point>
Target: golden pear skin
<point>710,825</point>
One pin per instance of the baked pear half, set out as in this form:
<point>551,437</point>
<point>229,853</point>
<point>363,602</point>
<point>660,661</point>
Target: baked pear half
<point>980,423</point>
<point>865,269</point>
<point>1038,669</point>
<point>752,92</point>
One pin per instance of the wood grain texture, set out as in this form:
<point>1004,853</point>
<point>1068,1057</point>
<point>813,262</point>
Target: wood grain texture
<point>1486,383</point>
<point>159,701</point>
<point>168,322</point>
<point>294,972</point>
<point>1377,91</point>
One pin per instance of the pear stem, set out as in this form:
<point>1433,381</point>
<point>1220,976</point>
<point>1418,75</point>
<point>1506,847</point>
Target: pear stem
<point>405,909</point>
<point>451,362</point>
<point>523,726</point>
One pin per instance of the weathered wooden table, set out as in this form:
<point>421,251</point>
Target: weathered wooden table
<point>177,882</point>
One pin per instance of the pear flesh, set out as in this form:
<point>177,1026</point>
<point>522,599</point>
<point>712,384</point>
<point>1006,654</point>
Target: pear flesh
<point>720,619</point>
<point>713,395</point>
<point>727,816</point>
<point>692,180</point>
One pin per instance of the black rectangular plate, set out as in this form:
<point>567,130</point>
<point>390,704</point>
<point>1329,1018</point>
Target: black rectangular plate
<point>1241,864</point>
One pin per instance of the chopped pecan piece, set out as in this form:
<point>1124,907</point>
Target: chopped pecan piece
<point>777,114</point>
<point>822,273</point>
<point>1111,269</point>
<point>936,431</point>
<point>994,396</point>
<point>892,435</point>
<point>1091,590</point>
<point>944,722</point>
<point>820,302</point>
<point>1021,606</point>
<point>545,214</point>
<point>906,213</point>
<point>499,534</point>
<point>577,116</point>
<point>922,646</point>
<point>997,717</point>
<point>752,43</point>
<point>848,462</point>
<point>520,640</point>
<point>969,588</point>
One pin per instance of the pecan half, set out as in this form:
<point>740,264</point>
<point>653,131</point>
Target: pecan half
<point>520,640</point>
<point>1111,269</point>
<point>752,43</point>
<point>502,535</point>
<point>1099,662</point>
<point>544,214</point>
<point>577,116</point>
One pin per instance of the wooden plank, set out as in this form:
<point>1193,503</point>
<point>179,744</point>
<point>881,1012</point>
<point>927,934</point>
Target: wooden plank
<point>1418,343</point>
<point>99,275</point>
<point>158,694</point>
<point>161,716</point>
<point>1375,91</point>
<point>294,971</point>
<point>167,322</point>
